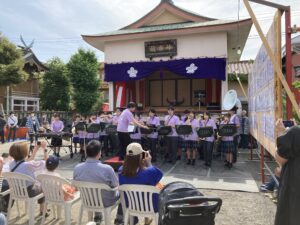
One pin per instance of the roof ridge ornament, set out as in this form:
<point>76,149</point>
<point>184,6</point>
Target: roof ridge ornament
<point>167,1</point>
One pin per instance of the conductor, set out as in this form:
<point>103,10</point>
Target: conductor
<point>125,119</point>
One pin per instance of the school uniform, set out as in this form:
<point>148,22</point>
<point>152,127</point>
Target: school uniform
<point>208,143</point>
<point>227,142</point>
<point>103,136</point>
<point>76,138</point>
<point>92,136</point>
<point>56,127</point>
<point>191,141</point>
<point>136,137</point>
<point>172,138</point>
<point>152,138</point>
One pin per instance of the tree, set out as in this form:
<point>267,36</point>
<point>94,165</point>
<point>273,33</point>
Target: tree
<point>55,90</point>
<point>83,72</point>
<point>11,63</point>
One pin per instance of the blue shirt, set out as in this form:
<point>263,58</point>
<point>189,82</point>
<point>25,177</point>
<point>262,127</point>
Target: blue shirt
<point>92,170</point>
<point>148,176</point>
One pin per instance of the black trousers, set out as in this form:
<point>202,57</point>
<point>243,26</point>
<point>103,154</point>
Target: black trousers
<point>172,144</point>
<point>208,151</point>
<point>244,141</point>
<point>151,145</point>
<point>236,144</point>
<point>12,132</point>
<point>2,136</point>
<point>124,141</point>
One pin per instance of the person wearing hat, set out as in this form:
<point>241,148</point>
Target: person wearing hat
<point>51,165</point>
<point>12,123</point>
<point>137,169</point>
<point>2,125</point>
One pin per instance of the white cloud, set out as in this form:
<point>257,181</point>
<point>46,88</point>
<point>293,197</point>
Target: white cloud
<point>57,24</point>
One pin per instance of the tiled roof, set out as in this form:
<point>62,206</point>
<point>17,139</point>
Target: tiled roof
<point>176,26</point>
<point>241,67</point>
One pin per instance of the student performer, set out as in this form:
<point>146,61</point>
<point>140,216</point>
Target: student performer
<point>57,126</point>
<point>208,142</point>
<point>227,144</point>
<point>154,121</point>
<point>172,139</point>
<point>124,120</point>
<point>191,141</point>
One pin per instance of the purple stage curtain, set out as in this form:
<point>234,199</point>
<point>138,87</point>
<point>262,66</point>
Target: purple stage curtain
<point>211,68</point>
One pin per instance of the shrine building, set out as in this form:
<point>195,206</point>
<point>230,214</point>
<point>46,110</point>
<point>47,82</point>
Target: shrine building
<point>171,56</point>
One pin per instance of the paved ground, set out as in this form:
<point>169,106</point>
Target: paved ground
<point>238,188</point>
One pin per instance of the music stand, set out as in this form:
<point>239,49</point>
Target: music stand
<point>93,128</point>
<point>80,126</point>
<point>103,126</point>
<point>199,94</point>
<point>227,130</point>
<point>184,129</point>
<point>164,130</point>
<point>152,128</point>
<point>204,132</point>
<point>111,129</point>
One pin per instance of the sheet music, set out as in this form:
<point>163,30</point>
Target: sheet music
<point>131,128</point>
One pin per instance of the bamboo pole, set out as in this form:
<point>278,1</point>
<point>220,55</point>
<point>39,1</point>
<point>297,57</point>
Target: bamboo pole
<point>243,90</point>
<point>279,113</point>
<point>272,57</point>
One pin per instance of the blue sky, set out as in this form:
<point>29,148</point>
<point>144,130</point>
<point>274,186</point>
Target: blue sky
<point>56,25</point>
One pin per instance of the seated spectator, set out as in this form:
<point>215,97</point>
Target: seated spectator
<point>28,166</point>
<point>137,169</point>
<point>271,185</point>
<point>92,170</point>
<point>51,165</point>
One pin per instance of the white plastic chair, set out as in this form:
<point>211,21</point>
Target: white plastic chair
<point>18,191</point>
<point>139,202</point>
<point>53,190</point>
<point>91,200</point>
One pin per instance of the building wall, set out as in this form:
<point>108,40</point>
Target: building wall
<point>189,46</point>
<point>29,88</point>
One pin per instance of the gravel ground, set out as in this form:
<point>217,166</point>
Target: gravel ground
<point>239,208</point>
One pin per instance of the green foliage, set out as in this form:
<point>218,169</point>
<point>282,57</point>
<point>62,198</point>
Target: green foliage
<point>243,78</point>
<point>11,63</point>
<point>296,85</point>
<point>83,72</point>
<point>55,90</point>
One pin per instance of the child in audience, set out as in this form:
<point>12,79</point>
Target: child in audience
<point>51,165</point>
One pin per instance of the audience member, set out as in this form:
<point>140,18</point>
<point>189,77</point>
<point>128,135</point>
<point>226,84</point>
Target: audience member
<point>92,170</point>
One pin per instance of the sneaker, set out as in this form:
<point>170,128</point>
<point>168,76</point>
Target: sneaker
<point>265,189</point>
